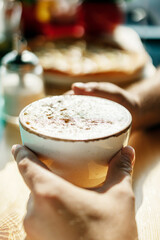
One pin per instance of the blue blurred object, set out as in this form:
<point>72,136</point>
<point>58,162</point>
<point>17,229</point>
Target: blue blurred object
<point>2,123</point>
<point>144,17</point>
<point>153,48</point>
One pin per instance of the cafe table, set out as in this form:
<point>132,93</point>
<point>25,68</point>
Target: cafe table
<point>146,181</point>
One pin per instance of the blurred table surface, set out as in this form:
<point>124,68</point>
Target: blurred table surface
<point>14,193</point>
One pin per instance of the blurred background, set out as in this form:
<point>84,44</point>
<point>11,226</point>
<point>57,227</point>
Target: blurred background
<point>25,24</point>
<point>144,17</point>
<point>57,19</point>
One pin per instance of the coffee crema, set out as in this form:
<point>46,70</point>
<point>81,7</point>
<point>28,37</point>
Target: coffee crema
<point>75,118</point>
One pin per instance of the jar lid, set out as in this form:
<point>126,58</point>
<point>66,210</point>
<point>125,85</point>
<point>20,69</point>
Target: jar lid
<point>25,61</point>
<point>20,59</point>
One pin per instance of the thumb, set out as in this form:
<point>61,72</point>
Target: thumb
<point>120,168</point>
<point>37,176</point>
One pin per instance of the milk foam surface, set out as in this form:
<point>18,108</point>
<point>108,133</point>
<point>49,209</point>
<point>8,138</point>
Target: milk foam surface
<point>75,117</point>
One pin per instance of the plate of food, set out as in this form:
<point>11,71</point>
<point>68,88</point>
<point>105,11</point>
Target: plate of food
<point>118,58</point>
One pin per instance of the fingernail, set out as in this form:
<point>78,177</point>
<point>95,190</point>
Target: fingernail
<point>79,85</point>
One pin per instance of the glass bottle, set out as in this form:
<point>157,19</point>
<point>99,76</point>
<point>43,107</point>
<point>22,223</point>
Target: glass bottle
<point>21,80</point>
<point>10,16</point>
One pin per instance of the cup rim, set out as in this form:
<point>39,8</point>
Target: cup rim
<point>45,136</point>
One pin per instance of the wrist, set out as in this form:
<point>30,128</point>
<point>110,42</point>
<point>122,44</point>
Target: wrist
<point>136,112</point>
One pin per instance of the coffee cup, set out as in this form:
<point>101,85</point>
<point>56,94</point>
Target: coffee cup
<point>76,136</point>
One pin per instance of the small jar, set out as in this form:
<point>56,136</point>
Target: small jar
<point>21,80</point>
<point>10,17</point>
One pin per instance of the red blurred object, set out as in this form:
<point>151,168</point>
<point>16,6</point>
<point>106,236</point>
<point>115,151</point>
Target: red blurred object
<point>31,26</point>
<point>100,18</point>
<point>90,18</point>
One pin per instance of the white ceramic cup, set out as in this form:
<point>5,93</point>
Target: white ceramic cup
<point>80,161</point>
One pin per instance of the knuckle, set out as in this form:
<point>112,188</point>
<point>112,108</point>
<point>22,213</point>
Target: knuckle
<point>23,165</point>
<point>39,194</point>
<point>93,86</point>
<point>123,192</point>
<point>43,194</point>
<point>126,192</point>
<point>126,196</point>
<point>132,197</point>
<point>18,149</point>
<point>111,87</point>
<point>125,165</point>
<point>21,153</point>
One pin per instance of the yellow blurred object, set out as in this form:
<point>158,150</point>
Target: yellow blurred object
<point>44,9</point>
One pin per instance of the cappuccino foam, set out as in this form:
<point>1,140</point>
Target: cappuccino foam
<point>75,118</point>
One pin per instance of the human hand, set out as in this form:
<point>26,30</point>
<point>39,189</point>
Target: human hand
<point>112,92</point>
<point>142,99</point>
<point>59,210</point>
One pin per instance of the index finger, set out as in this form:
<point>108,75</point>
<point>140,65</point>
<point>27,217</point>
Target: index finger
<point>29,165</point>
